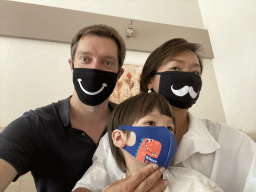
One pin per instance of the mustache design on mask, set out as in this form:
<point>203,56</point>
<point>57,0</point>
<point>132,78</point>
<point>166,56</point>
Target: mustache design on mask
<point>91,93</point>
<point>184,90</point>
<point>170,87</point>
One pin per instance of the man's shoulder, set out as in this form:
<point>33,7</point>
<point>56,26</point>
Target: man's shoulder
<point>49,110</point>
<point>39,117</point>
<point>44,112</point>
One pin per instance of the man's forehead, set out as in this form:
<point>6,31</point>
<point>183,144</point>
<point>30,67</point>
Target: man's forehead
<point>87,44</point>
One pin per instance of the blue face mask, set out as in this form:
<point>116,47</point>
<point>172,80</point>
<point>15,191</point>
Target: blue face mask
<point>153,145</point>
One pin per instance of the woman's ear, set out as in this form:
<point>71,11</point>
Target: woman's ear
<point>119,138</point>
<point>150,84</point>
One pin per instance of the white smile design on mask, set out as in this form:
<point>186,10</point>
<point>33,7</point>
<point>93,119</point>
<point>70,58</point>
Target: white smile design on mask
<point>91,93</point>
<point>184,90</point>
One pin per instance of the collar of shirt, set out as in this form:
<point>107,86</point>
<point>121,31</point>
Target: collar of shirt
<point>64,110</point>
<point>197,139</point>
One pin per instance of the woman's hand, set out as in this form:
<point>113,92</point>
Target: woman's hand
<point>142,181</point>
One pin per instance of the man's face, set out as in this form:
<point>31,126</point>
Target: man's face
<point>97,52</point>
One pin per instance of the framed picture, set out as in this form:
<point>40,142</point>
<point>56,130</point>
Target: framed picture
<point>129,83</point>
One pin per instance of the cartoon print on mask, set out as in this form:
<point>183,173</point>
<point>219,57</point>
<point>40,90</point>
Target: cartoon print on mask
<point>148,150</point>
<point>91,93</point>
<point>155,144</point>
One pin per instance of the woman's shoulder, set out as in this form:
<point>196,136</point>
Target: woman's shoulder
<point>220,129</point>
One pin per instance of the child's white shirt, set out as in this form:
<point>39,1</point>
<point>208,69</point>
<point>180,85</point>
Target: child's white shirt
<point>183,179</point>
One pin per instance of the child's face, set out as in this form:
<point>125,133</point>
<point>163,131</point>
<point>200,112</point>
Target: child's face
<point>155,118</point>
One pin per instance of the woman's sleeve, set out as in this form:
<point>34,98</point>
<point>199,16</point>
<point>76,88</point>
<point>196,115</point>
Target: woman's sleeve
<point>250,184</point>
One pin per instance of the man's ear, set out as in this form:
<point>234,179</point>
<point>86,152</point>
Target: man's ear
<point>121,71</point>
<point>70,63</point>
<point>119,138</point>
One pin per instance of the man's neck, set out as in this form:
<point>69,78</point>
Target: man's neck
<point>86,112</point>
<point>90,119</point>
<point>182,123</point>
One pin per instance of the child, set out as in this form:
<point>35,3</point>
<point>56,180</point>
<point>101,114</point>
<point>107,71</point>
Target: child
<point>135,119</point>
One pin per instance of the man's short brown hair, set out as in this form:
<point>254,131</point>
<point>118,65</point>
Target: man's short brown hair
<point>101,31</point>
<point>132,110</point>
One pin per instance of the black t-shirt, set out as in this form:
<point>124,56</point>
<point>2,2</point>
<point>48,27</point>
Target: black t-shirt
<point>42,141</point>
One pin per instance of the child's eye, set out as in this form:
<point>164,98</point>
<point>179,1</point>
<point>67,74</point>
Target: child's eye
<point>170,128</point>
<point>151,123</point>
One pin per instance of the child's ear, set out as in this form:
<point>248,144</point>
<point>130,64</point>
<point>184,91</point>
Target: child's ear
<point>119,138</point>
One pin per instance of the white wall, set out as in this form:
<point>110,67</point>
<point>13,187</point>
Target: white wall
<point>175,12</point>
<point>36,73</point>
<point>232,29</point>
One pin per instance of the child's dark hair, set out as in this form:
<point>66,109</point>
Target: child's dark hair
<point>132,110</point>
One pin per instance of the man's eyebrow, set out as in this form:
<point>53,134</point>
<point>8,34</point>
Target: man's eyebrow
<point>88,53</point>
<point>109,57</point>
<point>84,53</point>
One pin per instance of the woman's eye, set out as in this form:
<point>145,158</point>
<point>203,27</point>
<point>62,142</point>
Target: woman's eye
<point>196,72</point>
<point>175,69</point>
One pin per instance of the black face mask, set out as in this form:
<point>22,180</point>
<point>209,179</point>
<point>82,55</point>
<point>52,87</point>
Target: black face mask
<point>93,86</point>
<point>181,89</point>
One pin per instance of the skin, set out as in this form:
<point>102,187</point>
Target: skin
<point>7,174</point>
<point>186,61</point>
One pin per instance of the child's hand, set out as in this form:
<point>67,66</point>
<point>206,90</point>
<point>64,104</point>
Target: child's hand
<point>142,181</point>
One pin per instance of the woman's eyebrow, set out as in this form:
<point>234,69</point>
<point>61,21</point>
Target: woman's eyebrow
<point>183,62</point>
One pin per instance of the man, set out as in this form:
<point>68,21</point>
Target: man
<point>56,142</point>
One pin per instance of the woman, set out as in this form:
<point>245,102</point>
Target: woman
<point>216,150</point>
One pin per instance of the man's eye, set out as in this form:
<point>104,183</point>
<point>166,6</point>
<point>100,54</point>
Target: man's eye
<point>108,63</point>
<point>84,59</point>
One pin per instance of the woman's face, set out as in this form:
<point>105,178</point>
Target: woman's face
<point>186,61</point>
